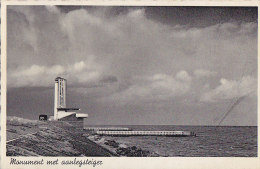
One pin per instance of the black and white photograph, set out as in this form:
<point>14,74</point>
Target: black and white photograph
<point>131,81</point>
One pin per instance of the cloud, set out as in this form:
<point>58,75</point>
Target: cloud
<point>80,73</point>
<point>199,73</point>
<point>53,9</point>
<point>27,31</point>
<point>89,47</point>
<point>230,89</point>
<point>183,75</point>
<point>156,87</point>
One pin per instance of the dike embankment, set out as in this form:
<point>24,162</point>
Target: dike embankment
<point>37,138</point>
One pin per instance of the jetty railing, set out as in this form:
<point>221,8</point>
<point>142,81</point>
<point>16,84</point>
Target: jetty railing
<point>107,128</point>
<point>145,133</point>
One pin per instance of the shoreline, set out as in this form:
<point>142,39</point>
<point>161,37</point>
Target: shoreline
<point>121,149</point>
<point>107,148</point>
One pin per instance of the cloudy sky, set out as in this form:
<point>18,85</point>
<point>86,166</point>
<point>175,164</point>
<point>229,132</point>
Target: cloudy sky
<point>135,65</point>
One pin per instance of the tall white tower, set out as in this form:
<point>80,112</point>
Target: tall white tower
<point>61,112</point>
<point>59,95</point>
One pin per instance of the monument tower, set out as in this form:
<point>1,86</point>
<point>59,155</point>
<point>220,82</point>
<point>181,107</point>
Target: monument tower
<point>61,111</point>
<point>59,95</point>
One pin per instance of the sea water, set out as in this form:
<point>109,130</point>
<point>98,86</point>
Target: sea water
<point>211,141</point>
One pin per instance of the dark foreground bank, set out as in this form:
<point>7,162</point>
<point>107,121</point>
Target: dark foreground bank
<point>34,138</point>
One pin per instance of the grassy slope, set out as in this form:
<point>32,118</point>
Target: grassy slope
<point>50,139</point>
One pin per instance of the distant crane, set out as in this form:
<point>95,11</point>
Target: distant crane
<point>238,99</point>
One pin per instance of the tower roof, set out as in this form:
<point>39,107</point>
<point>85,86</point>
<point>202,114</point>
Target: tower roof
<point>57,78</point>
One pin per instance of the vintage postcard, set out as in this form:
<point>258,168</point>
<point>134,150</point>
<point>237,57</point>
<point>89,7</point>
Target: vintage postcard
<point>129,84</point>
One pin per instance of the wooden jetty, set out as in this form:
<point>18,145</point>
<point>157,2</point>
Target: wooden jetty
<point>107,128</point>
<point>146,133</point>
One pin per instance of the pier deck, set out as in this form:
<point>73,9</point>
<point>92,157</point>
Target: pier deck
<point>147,133</point>
<point>107,128</point>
